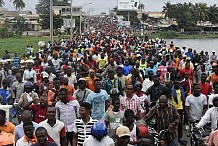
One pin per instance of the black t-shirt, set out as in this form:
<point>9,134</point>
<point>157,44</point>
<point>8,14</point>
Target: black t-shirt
<point>47,144</point>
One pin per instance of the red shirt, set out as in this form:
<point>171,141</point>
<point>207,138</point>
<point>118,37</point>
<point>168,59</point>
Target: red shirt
<point>190,72</point>
<point>39,70</point>
<point>206,88</point>
<point>40,113</point>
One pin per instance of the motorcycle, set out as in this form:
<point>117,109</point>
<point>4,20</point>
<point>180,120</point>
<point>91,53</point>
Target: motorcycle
<point>159,137</point>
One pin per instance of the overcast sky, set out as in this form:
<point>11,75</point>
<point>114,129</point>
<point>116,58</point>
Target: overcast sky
<point>105,5</point>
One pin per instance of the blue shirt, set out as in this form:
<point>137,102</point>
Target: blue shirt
<point>127,69</point>
<point>5,95</point>
<point>154,69</point>
<point>190,54</point>
<point>97,100</point>
<point>16,61</point>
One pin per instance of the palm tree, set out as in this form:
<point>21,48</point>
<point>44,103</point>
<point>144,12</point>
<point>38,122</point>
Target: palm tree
<point>19,4</point>
<point>212,15</point>
<point>201,12</point>
<point>2,3</point>
<point>168,10</point>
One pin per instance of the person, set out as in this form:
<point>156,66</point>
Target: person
<point>5,125</point>
<point>53,93</point>
<point>101,61</point>
<point>90,80</point>
<point>115,117</point>
<point>38,69</point>
<point>135,136</point>
<point>151,67</point>
<point>18,87</point>
<point>26,117</point>
<point>187,69</point>
<point>42,138</point>
<point>112,82</point>
<point>99,136</point>
<point>29,73</point>
<point>44,85</point>
<point>111,66</point>
<point>71,77</point>
<point>6,94</point>
<point>29,138</point>
<point>119,75</point>
<point>195,104</point>
<point>67,111</point>
<point>28,95</point>
<point>206,88</point>
<point>213,57</point>
<point>148,82</point>
<point>98,100</point>
<point>166,117</point>
<point>70,89</point>
<point>210,99</point>
<point>178,100</point>
<point>155,91</point>
<point>4,73</point>
<point>127,67</point>
<point>82,92</point>
<point>210,115</point>
<point>214,76</point>
<point>38,108</point>
<point>82,127</point>
<point>6,139</point>
<point>123,136</point>
<point>130,102</point>
<point>15,60</point>
<point>55,129</point>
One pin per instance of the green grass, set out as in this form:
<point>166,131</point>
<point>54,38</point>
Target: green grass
<point>19,44</point>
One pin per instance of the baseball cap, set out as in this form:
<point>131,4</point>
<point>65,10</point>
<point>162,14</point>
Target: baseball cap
<point>82,80</point>
<point>213,51</point>
<point>122,131</point>
<point>45,75</point>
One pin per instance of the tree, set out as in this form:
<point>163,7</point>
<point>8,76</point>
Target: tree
<point>169,10</point>
<point>212,15</point>
<point>2,3</point>
<point>144,17</point>
<point>200,10</point>
<point>18,4</point>
<point>20,25</point>
<point>45,21</point>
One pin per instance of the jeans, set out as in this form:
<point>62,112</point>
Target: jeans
<point>180,126</point>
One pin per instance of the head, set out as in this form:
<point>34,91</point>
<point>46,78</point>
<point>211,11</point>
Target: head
<point>116,103</point>
<point>85,109</point>
<point>203,77</point>
<point>126,62</point>
<point>82,83</point>
<point>5,66</point>
<point>28,87</point>
<point>123,135</point>
<point>176,83</point>
<point>216,70</point>
<point>65,81</point>
<point>151,64</point>
<point>26,116</point>
<point>111,61</point>
<point>150,75</point>
<point>63,94</point>
<point>156,80</point>
<point>19,77</point>
<point>28,129</point>
<point>129,116</point>
<point>29,66</point>
<point>158,72</point>
<point>111,74</point>
<point>36,62</point>
<point>99,131</point>
<point>5,83</point>
<point>129,91</point>
<point>51,113</point>
<point>56,83</point>
<point>97,84</point>
<point>92,73</point>
<point>2,117</point>
<point>196,90</point>
<point>119,71</point>
<point>215,87</point>
<point>187,65</point>
<point>138,86</point>
<point>69,71</point>
<point>41,135</point>
<point>43,101</point>
<point>163,102</point>
<point>48,69</point>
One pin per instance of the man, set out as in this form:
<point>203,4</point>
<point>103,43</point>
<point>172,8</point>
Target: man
<point>178,98</point>
<point>82,93</point>
<point>67,111</point>
<point>18,87</point>
<point>169,121</point>
<point>98,100</point>
<point>215,88</point>
<point>52,93</point>
<point>4,73</point>
<point>90,80</point>
<point>119,75</point>
<point>206,88</point>
<point>82,127</point>
<point>55,129</point>
<point>101,62</point>
<point>42,138</point>
<point>50,73</point>
<point>127,68</point>
<point>151,67</point>
<point>56,62</point>
<point>70,89</point>
<point>6,94</point>
<point>99,136</point>
<point>111,66</point>
<point>213,57</point>
<point>115,117</point>
<point>210,115</point>
<point>29,73</point>
<point>39,69</point>
<point>196,104</point>
<point>16,60</point>
<point>123,136</point>
<point>130,102</point>
<point>148,82</point>
<point>5,126</point>
<point>26,117</point>
<point>45,85</point>
<point>214,76</point>
<point>155,91</point>
<point>189,53</point>
<point>29,138</point>
<point>187,69</point>
<point>112,82</point>
<point>71,77</point>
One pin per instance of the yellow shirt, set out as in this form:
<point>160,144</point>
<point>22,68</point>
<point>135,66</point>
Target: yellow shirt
<point>179,105</point>
<point>102,62</point>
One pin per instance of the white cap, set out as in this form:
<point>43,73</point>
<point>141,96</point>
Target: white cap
<point>214,51</point>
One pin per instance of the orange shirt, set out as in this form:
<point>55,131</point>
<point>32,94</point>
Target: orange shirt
<point>8,127</point>
<point>212,78</point>
<point>51,94</point>
<point>90,83</point>
<point>69,88</point>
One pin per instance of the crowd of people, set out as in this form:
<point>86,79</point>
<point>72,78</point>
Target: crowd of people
<point>91,89</point>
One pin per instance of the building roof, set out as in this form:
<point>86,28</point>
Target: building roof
<point>155,14</point>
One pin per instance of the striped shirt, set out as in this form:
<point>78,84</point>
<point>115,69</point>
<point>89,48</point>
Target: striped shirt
<point>83,130</point>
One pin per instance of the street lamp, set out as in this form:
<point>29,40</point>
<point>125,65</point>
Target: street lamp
<point>51,23</point>
<point>80,21</point>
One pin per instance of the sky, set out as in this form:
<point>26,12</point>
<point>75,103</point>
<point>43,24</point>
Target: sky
<point>99,6</point>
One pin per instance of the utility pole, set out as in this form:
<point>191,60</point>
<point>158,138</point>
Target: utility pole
<point>51,23</point>
<point>71,18</point>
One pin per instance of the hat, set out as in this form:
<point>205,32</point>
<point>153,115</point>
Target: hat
<point>123,131</point>
<point>138,55</point>
<point>184,56</point>
<point>213,51</point>
<point>45,75</point>
<point>82,80</point>
<point>91,70</point>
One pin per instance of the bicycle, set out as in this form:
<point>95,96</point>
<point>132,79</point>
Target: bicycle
<point>159,137</point>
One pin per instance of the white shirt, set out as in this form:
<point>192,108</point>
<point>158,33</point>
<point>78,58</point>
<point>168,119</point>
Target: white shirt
<point>146,84</point>
<point>29,74</point>
<point>211,115</point>
<point>72,79</point>
<point>106,141</point>
<point>21,142</point>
